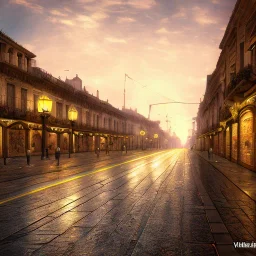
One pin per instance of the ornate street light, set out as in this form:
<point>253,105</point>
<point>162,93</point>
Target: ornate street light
<point>72,117</point>
<point>156,138</point>
<point>44,107</point>
<point>142,133</point>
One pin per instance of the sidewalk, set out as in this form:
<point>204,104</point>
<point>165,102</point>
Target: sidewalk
<point>243,178</point>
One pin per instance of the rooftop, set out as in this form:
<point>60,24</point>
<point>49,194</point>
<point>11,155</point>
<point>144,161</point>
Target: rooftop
<point>13,43</point>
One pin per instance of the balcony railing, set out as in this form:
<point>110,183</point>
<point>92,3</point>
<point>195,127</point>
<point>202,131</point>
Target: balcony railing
<point>243,74</point>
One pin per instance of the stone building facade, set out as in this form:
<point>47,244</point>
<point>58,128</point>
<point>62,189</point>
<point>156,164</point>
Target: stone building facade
<point>98,123</point>
<point>226,118</point>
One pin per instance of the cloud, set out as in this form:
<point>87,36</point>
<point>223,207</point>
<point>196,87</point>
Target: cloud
<point>67,22</point>
<point>180,14</point>
<point>61,21</point>
<point>162,31</point>
<point>125,20</point>
<point>57,13</point>
<point>99,16</point>
<point>34,7</point>
<point>202,17</point>
<point>87,21</point>
<point>113,2</point>
<point>115,40</point>
<point>139,4</point>
<point>216,1</point>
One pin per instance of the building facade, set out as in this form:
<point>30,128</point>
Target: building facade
<point>226,118</point>
<point>98,122</point>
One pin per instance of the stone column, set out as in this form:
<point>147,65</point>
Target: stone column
<point>28,64</point>
<point>14,60</point>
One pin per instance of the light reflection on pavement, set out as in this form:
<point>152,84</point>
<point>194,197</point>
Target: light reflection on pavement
<point>146,205</point>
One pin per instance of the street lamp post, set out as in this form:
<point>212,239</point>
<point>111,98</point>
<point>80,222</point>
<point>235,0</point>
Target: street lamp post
<point>44,107</point>
<point>142,133</point>
<point>156,139</point>
<point>72,117</point>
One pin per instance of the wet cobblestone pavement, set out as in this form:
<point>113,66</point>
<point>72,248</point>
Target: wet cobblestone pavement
<point>145,203</point>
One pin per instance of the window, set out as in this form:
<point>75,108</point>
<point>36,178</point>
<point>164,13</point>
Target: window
<point>19,55</point>
<point>11,96</point>
<point>114,125</point>
<point>232,72</point>
<point>109,124</point>
<point>104,122</point>
<point>253,54</point>
<point>59,113</point>
<point>241,55</point>
<point>88,118</point>
<point>23,100</point>
<point>94,120</point>
<point>98,121</point>
<point>67,108</point>
<point>79,115</point>
<point>36,102</point>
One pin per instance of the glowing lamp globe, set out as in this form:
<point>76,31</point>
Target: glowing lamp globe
<point>44,104</point>
<point>142,133</point>
<point>72,114</point>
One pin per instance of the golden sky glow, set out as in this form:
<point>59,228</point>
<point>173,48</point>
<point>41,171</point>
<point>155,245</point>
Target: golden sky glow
<point>168,46</point>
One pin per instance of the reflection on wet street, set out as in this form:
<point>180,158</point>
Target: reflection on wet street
<point>151,204</point>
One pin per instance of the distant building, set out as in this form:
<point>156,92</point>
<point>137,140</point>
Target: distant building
<point>98,123</point>
<point>76,82</point>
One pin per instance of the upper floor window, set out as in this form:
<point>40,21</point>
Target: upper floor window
<point>36,102</point>
<point>253,54</point>
<point>232,72</point>
<point>88,118</point>
<point>67,109</point>
<point>20,59</point>
<point>94,120</point>
<point>79,115</point>
<point>59,113</point>
<point>109,124</point>
<point>98,122</point>
<point>241,55</point>
<point>24,93</point>
<point>11,96</point>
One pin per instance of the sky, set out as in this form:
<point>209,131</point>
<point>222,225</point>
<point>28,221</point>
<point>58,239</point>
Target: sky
<point>167,47</point>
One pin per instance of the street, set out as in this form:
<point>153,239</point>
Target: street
<point>170,202</point>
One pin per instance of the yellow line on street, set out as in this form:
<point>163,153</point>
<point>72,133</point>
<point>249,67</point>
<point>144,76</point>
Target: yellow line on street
<point>74,178</point>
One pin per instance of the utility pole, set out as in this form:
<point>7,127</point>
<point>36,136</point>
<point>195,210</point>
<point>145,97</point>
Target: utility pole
<point>124,88</point>
<point>167,121</point>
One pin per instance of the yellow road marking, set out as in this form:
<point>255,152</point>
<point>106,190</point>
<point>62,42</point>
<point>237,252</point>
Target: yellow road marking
<point>74,178</point>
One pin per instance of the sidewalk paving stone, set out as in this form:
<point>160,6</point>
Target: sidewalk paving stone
<point>243,178</point>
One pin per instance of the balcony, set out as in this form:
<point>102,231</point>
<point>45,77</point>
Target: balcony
<point>241,82</point>
<point>16,113</point>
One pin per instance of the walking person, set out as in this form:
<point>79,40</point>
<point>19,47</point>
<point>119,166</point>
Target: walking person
<point>210,154</point>
<point>107,149</point>
<point>97,151</point>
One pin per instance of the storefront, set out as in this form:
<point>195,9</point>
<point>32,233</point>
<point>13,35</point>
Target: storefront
<point>227,144</point>
<point>246,139</point>
<point>221,143</point>
<point>234,142</point>
<point>215,144</point>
